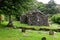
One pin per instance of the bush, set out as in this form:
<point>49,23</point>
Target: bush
<point>56,18</point>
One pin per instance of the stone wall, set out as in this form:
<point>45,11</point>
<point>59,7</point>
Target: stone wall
<point>35,18</point>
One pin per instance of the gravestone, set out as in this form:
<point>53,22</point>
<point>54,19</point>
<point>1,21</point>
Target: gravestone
<point>44,38</point>
<point>51,32</point>
<point>23,30</point>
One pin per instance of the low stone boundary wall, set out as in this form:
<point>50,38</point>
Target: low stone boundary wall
<point>41,29</point>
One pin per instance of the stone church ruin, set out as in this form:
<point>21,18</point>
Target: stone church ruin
<point>35,18</point>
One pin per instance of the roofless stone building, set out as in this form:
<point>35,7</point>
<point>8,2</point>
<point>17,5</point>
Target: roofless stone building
<point>35,18</point>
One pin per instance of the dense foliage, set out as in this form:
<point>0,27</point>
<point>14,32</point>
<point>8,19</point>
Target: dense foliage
<point>16,7</point>
<point>50,8</point>
<point>56,18</point>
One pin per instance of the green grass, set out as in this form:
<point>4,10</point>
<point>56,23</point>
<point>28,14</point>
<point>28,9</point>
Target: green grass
<point>16,34</point>
<point>18,24</point>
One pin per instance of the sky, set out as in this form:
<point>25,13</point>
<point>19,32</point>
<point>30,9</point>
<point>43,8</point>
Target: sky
<point>46,1</point>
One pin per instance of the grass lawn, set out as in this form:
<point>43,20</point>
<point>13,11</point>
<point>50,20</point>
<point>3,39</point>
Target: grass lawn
<point>18,24</point>
<point>16,34</point>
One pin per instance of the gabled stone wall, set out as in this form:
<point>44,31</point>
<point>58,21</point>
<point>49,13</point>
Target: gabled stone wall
<point>35,18</point>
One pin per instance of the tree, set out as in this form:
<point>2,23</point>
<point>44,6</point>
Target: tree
<point>51,7</point>
<point>7,8</point>
<point>0,16</point>
<point>16,7</point>
<point>41,7</point>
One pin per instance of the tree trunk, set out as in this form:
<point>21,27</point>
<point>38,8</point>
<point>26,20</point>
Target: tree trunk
<point>10,24</point>
<point>18,18</point>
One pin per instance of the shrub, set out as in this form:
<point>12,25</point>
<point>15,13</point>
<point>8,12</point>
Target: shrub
<point>56,18</point>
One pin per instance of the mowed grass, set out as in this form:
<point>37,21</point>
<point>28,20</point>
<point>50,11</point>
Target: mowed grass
<point>16,34</point>
<point>18,24</point>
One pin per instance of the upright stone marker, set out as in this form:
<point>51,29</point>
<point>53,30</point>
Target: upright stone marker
<point>44,38</point>
<point>23,30</point>
<point>51,32</point>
